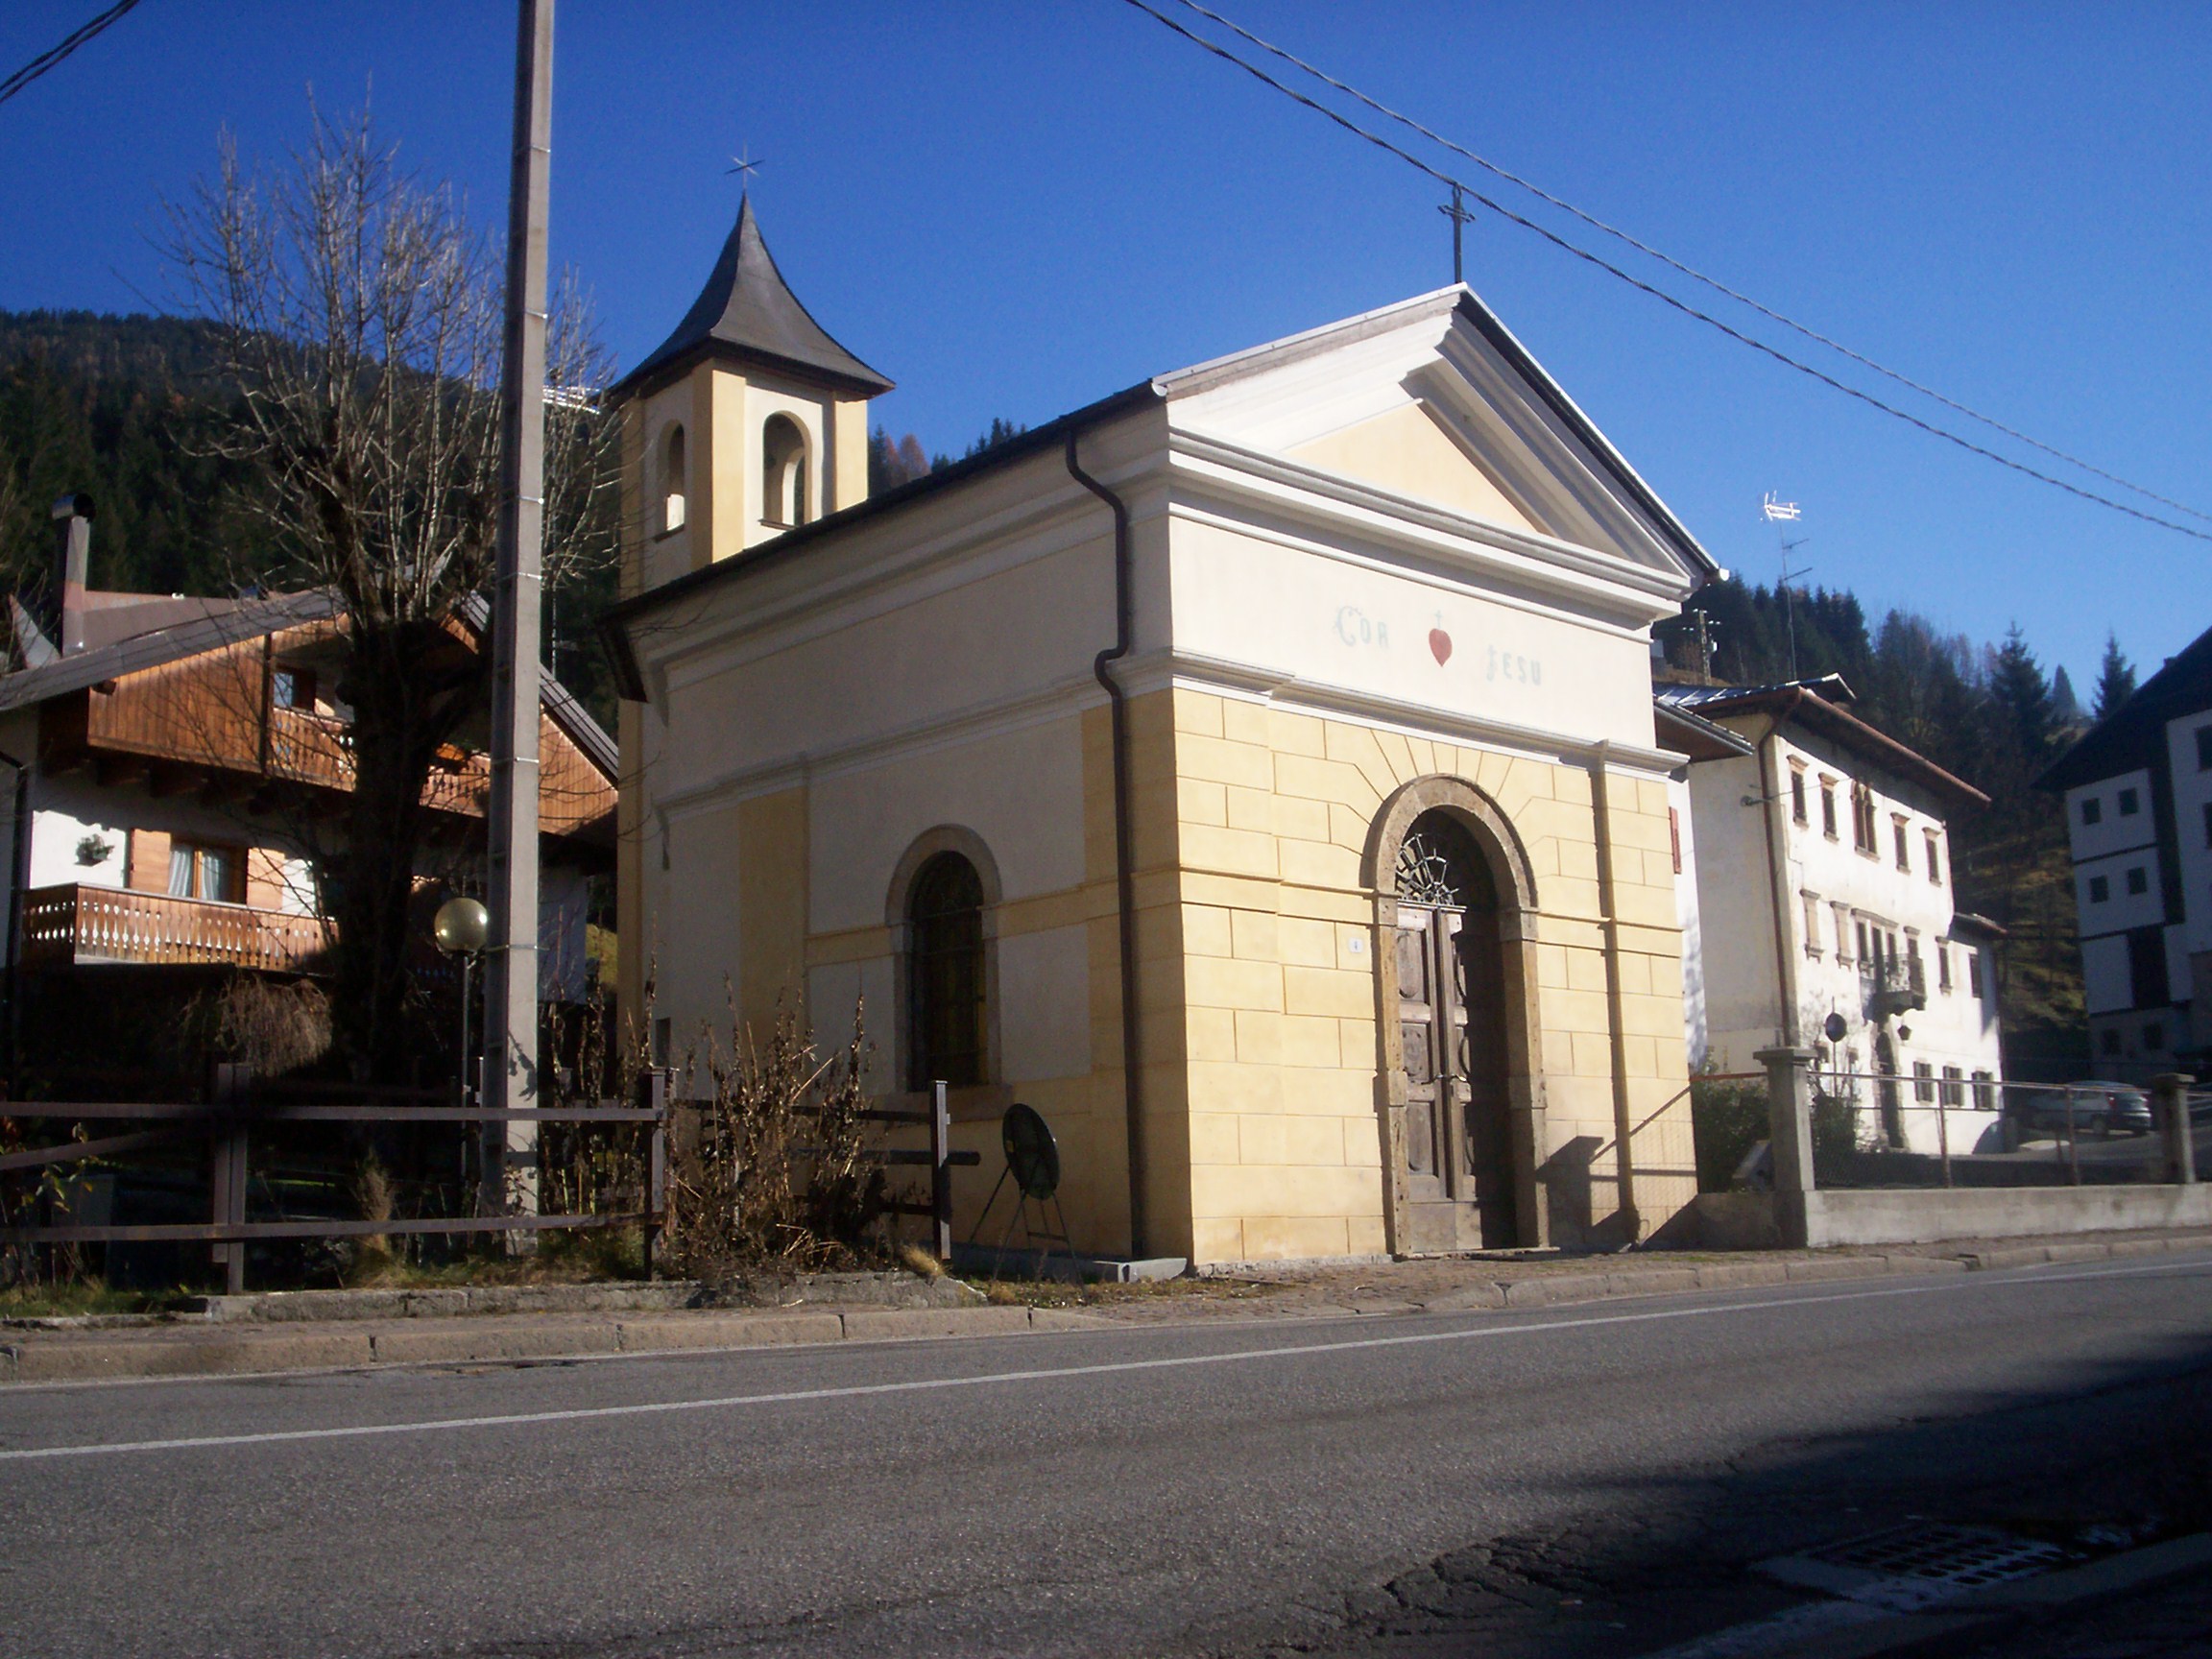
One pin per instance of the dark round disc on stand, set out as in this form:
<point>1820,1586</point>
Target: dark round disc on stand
<point>1032,1155</point>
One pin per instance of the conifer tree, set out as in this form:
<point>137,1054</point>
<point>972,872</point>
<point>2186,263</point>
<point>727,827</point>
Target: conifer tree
<point>2115,678</point>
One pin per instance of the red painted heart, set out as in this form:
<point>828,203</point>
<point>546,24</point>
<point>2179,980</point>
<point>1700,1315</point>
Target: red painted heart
<point>1440,646</point>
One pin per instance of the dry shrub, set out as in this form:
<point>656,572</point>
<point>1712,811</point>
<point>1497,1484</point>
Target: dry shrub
<point>273,1025</point>
<point>771,1172</point>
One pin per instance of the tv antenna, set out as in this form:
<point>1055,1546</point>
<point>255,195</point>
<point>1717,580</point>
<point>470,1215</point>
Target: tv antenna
<point>1778,514</point>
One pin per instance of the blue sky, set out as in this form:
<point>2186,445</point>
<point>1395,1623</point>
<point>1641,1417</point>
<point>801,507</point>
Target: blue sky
<point>1013,209</point>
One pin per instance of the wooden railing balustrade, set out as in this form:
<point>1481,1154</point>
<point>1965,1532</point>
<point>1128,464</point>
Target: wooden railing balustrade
<point>76,922</point>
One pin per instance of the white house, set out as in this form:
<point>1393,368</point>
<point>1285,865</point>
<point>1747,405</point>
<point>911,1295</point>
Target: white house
<point>2138,791</point>
<point>1824,915</point>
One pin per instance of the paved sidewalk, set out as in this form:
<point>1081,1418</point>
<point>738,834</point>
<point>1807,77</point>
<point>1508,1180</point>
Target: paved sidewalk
<point>322,1331</point>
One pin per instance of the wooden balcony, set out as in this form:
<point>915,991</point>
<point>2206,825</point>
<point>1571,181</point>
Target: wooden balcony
<point>74,923</point>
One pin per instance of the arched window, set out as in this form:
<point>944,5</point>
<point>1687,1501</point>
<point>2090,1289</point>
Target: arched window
<point>783,472</point>
<point>672,479</point>
<point>945,973</point>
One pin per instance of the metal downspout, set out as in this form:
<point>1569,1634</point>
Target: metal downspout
<point>1124,850</point>
<point>18,879</point>
<point>1770,803</point>
<point>1608,921</point>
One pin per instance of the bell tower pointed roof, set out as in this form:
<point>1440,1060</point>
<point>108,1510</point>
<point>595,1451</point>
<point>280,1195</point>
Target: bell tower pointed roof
<point>747,311</point>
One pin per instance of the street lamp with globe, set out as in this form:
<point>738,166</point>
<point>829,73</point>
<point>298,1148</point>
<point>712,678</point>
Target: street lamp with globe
<point>461,927</point>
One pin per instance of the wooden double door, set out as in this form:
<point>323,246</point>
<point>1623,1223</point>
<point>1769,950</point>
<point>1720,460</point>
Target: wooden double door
<point>1451,1041</point>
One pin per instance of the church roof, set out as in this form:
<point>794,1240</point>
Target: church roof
<point>748,311</point>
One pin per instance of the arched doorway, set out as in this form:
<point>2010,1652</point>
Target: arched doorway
<point>1450,990</point>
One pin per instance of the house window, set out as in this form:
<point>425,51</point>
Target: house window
<point>1863,815</point>
<point>2100,889</point>
<point>1985,1092</point>
<point>783,472</point>
<point>945,973</point>
<point>1904,845</point>
<point>1915,973</point>
<point>2137,882</point>
<point>1935,856</point>
<point>1675,836</point>
<point>199,872</point>
<point>1797,795</point>
<point>2204,748</point>
<point>293,688</point>
<point>2130,804</point>
<point>1811,924</point>
<point>1828,807</point>
<point>2153,1036</point>
<point>1954,1086</point>
<point>1942,966</point>
<point>2208,814</point>
<point>2110,1043</point>
<point>2092,809</point>
<point>1842,934</point>
<point>1923,1083</point>
<point>2147,968</point>
<point>1862,942</point>
<point>672,479</point>
<point>1974,973</point>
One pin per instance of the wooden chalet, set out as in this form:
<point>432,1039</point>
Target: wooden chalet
<point>176,762</point>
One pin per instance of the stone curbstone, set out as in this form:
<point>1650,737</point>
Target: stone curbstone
<point>1740,1275</point>
<point>1833,1267</point>
<point>94,1361</point>
<point>503,1341</point>
<point>674,1332</point>
<point>1650,1282</point>
<point>1066,1319</point>
<point>899,1324</point>
<point>1924,1264</point>
<point>1467,1297</point>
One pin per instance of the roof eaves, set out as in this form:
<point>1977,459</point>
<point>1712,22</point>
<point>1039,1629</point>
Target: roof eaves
<point>81,669</point>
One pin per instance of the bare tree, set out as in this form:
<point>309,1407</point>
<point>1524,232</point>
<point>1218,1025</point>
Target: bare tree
<point>359,311</point>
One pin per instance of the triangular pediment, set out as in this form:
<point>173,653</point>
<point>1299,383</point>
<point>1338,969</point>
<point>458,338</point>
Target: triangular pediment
<point>1433,400</point>
<point>1409,451</point>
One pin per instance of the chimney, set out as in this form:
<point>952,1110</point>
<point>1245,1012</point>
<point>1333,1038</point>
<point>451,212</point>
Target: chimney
<point>73,515</point>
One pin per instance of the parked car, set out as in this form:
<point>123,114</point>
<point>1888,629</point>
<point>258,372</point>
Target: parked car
<point>2098,1107</point>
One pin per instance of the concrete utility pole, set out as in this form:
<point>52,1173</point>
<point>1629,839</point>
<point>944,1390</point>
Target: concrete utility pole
<point>511,988</point>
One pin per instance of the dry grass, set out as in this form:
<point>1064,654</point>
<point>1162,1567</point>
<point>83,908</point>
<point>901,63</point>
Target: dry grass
<point>770,1172</point>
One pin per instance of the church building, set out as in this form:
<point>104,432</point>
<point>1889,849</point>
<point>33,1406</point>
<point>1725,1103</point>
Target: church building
<point>1252,771</point>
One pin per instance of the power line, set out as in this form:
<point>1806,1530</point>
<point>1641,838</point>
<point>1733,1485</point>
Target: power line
<point>1660,294</point>
<point>1714,283</point>
<point>53,54</point>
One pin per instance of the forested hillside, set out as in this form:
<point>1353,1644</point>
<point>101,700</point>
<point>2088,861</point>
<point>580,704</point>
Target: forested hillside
<point>126,408</point>
<point>1986,714</point>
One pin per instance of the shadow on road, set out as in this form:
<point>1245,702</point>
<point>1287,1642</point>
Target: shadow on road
<point>2124,1448</point>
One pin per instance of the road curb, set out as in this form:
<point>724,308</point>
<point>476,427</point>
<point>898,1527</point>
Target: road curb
<point>233,1352</point>
<point>241,1347</point>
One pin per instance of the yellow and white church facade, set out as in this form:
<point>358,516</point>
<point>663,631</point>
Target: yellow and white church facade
<point>1252,771</point>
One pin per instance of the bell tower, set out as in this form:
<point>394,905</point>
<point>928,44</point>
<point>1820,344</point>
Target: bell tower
<point>747,421</point>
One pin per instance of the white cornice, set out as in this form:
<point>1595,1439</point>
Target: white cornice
<point>1284,688</point>
<point>1483,550</point>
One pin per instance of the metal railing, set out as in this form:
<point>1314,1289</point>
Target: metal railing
<point>77,923</point>
<point>1884,1130</point>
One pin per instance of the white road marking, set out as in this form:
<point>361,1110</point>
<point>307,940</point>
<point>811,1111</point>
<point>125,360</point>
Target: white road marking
<point>1053,1373</point>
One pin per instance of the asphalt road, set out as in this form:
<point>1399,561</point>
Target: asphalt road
<point>1586,1480</point>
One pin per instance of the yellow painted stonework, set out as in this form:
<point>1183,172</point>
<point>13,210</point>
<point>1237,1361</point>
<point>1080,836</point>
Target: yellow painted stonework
<point>1282,1054</point>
